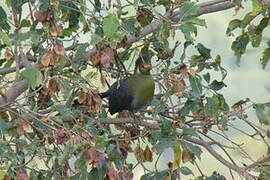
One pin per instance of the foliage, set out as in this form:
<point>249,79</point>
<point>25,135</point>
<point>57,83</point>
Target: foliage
<point>53,123</point>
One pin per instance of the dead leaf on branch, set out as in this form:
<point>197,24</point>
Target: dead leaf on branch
<point>56,30</point>
<point>59,49</point>
<point>54,85</point>
<point>186,156</point>
<point>112,173</point>
<point>60,135</point>
<point>176,84</point>
<point>8,55</point>
<point>22,126</point>
<point>43,16</point>
<point>138,152</point>
<point>46,58</point>
<point>21,175</point>
<point>147,154</point>
<point>103,58</point>
<point>91,100</point>
<point>93,157</point>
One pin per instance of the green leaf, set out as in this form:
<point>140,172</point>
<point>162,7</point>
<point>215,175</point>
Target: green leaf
<point>185,170</point>
<point>263,113</point>
<point>233,24</point>
<point>212,106</point>
<point>207,77</point>
<point>2,174</point>
<point>187,9</point>
<point>97,173</point>
<point>241,102</point>
<point>265,58</point>
<point>110,25</point>
<point>196,21</point>
<point>205,52</point>
<point>196,86</point>
<point>247,19</point>
<point>256,7</point>
<point>177,153</point>
<point>239,46</point>
<point>101,142</point>
<point>187,29</point>
<point>25,23</point>
<point>129,26</point>
<point>4,37</point>
<point>33,76</point>
<point>217,85</point>
<point>186,44</point>
<point>95,39</point>
<point>163,144</point>
<point>164,34</point>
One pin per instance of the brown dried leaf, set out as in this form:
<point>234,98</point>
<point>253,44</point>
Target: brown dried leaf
<point>60,135</point>
<point>22,126</point>
<point>86,135</point>
<point>112,174</point>
<point>107,56</point>
<point>179,87</point>
<point>40,16</point>
<point>147,155</point>
<point>186,157</point>
<point>95,58</point>
<point>82,99</point>
<point>59,49</point>
<point>7,54</point>
<point>139,153</point>
<point>93,157</point>
<point>21,175</point>
<point>56,30</point>
<point>103,80</point>
<point>54,85</point>
<point>46,58</point>
<point>75,140</point>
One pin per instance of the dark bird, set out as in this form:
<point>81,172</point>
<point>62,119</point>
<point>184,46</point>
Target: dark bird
<point>134,92</point>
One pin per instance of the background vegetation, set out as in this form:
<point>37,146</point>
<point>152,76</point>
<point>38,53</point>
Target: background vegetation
<point>54,125</point>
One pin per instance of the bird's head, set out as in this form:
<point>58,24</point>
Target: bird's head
<point>143,65</point>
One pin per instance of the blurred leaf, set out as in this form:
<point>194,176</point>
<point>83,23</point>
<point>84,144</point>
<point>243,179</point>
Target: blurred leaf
<point>263,113</point>
<point>97,173</point>
<point>4,37</point>
<point>205,52</point>
<point>212,106</point>
<point>110,25</point>
<point>265,58</point>
<point>196,150</point>
<point>95,39</point>
<point>187,9</point>
<point>217,85</point>
<point>233,24</point>
<point>187,29</point>
<point>196,21</point>
<point>206,77</point>
<point>185,170</point>
<point>129,26</point>
<point>101,142</point>
<point>177,151</point>
<point>196,86</point>
<point>3,23</point>
<point>247,19</point>
<point>256,7</point>
<point>33,76</point>
<point>239,46</point>
<point>186,44</point>
<point>241,102</point>
<point>163,143</point>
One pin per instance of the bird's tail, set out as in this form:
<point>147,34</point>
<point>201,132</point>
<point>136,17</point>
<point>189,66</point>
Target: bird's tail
<point>104,94</point>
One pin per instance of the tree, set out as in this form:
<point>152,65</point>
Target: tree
<point>54,124</point>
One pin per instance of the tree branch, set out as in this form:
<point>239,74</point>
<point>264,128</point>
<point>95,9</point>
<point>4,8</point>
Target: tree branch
<point>207,146</point>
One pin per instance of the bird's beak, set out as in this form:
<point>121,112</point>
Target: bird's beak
<point>147,66</point>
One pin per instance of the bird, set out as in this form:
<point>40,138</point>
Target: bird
<point>133,93</point>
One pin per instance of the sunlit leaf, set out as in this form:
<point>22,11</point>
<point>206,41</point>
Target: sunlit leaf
<point>33,76</point>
